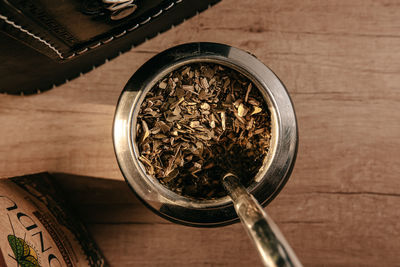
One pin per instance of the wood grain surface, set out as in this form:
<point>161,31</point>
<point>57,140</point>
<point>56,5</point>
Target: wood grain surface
<point>340,61</point>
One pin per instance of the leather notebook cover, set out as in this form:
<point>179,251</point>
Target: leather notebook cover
<point>43,43</point>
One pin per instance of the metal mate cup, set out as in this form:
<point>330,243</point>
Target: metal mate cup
<point>277,164</point>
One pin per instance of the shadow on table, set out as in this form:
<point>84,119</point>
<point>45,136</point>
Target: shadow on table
<point>129,234</point>
<point>104,201</point>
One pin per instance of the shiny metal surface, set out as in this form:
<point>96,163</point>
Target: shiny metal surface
<point>277,165</point>
<point>272,246</point>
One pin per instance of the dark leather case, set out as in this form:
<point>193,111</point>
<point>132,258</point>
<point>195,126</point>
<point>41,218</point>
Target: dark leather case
<point>43,43</point>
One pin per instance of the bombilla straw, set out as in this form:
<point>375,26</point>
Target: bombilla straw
<point>272,246</point>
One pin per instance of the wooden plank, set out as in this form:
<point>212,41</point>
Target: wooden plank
<point>340,61</point>
<point>46,134</point>
<point>323,58</point>
<point>324,227</point>
<point>174,245</point>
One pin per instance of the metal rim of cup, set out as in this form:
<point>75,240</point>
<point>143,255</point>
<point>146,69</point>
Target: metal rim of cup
<point>278,163</point>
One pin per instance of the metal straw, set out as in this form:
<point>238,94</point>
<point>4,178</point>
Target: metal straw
<point>270,242</point>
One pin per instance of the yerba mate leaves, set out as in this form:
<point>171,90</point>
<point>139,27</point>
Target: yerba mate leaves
<point>199,122</point>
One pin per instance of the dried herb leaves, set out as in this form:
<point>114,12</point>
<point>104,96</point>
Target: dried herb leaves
<point>199,122</point>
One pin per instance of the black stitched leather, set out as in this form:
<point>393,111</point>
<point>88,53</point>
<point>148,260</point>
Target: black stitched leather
<point>42,45</point>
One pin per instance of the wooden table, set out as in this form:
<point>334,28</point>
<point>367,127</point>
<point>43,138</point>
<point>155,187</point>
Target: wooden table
<point>340,61</point>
